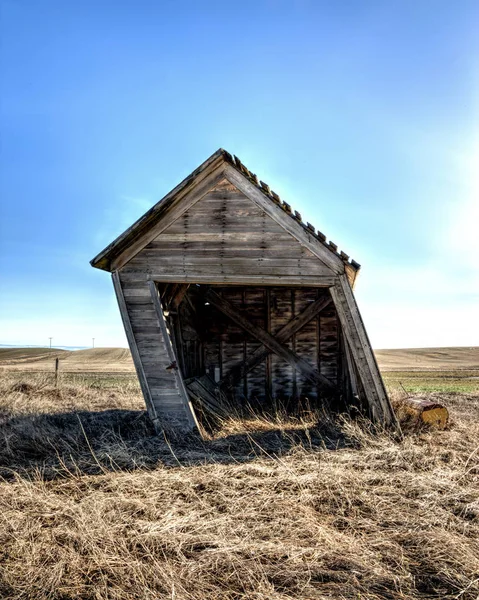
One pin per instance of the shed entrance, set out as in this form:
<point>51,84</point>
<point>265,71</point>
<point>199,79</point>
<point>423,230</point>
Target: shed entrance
<point>255,348</point>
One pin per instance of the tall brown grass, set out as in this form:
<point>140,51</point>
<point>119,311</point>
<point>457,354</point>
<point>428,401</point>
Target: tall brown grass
<point>94,505</point>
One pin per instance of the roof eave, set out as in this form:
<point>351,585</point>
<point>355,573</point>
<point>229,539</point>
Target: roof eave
<point>103,260</point>
<point>340,257</point>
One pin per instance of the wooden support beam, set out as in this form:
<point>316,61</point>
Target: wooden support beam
<point>351,371</point>
<point>269,362</point>
<point>296,324</point>
<point>179,294</point>
<point>236,279</point>
<point>168,294</point>
<point>362,353</point>
<point>208,395</point>
<point>266,339</point>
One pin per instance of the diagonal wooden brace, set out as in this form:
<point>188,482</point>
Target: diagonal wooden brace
<point>257,356</point>
<point>267,339</point>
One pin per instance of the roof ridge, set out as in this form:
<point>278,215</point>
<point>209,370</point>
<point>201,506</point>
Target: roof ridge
<point>273,196</point>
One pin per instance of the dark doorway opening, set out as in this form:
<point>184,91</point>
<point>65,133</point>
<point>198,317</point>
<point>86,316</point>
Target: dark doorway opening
<point>260,349</point>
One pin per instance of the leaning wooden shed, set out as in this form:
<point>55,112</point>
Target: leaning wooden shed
<point>230,300</point>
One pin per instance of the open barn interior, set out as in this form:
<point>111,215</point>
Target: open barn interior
<point>258,349</point>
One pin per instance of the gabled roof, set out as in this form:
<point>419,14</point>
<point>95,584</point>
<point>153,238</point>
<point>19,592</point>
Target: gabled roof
<point>106,258</point>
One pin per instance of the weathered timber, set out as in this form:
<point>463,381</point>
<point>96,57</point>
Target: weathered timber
<point>421,411</point>
<point>179,295</point>
<point>134,349</point>
<point>219,254</point>
<point>351,370</point>
<point>209,397</point>
<point>266,339</point>
<point>244,279</point>
<point>361,351</point>
<point>295,325</point>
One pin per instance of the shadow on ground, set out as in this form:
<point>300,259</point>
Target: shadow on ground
<point>61,444</point>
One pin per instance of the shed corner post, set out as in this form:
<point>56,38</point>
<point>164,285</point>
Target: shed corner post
<point>361,353</point>
<point>130,336</point>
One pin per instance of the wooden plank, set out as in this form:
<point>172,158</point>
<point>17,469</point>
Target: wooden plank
<point>293,346</point>
<point>305,340</point>
<point>292,327</point>
<point>282,371</point>
<point>189,412</point>
<point>224,269</point>
<point>179,295</point>
<point>213,236</point>
<point>265,338</point>
<point>269,373</point>
<point>137,292</point>
<point>193,224</point>
<point>351,370</point>
<point>155,261</point>
<point>329,342</point>
<point>134,350</point>
<point>362,353</point>
<point>188,250</point>
<point>243,279</point>
<point>318,346</point>
<point>201,253</point>
<point>205,390</point>
<point>254,303</point>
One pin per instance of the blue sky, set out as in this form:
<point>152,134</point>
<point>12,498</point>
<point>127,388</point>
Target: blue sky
<point>361,114</point>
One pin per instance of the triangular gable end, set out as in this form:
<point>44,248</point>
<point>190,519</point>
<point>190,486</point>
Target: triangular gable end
<point>226,236</point>
<point>218,166</point>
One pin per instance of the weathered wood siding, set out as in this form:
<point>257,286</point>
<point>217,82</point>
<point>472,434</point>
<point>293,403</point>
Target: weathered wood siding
<point>152,359</point>
<point>273,380</point>
<point>225,236</point>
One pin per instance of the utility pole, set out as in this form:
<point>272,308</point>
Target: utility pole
<point>92,342</point>
<point>50,338</point>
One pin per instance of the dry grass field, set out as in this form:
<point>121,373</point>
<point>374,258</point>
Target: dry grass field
<point>93,360</point>
<point>94,505</point>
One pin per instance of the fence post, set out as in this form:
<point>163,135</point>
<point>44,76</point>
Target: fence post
<point>57,366</point>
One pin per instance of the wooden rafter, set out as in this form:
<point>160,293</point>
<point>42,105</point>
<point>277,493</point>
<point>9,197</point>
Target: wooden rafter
<point>283,335</point>
<point>179,294</point>
<point>269,341</point>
